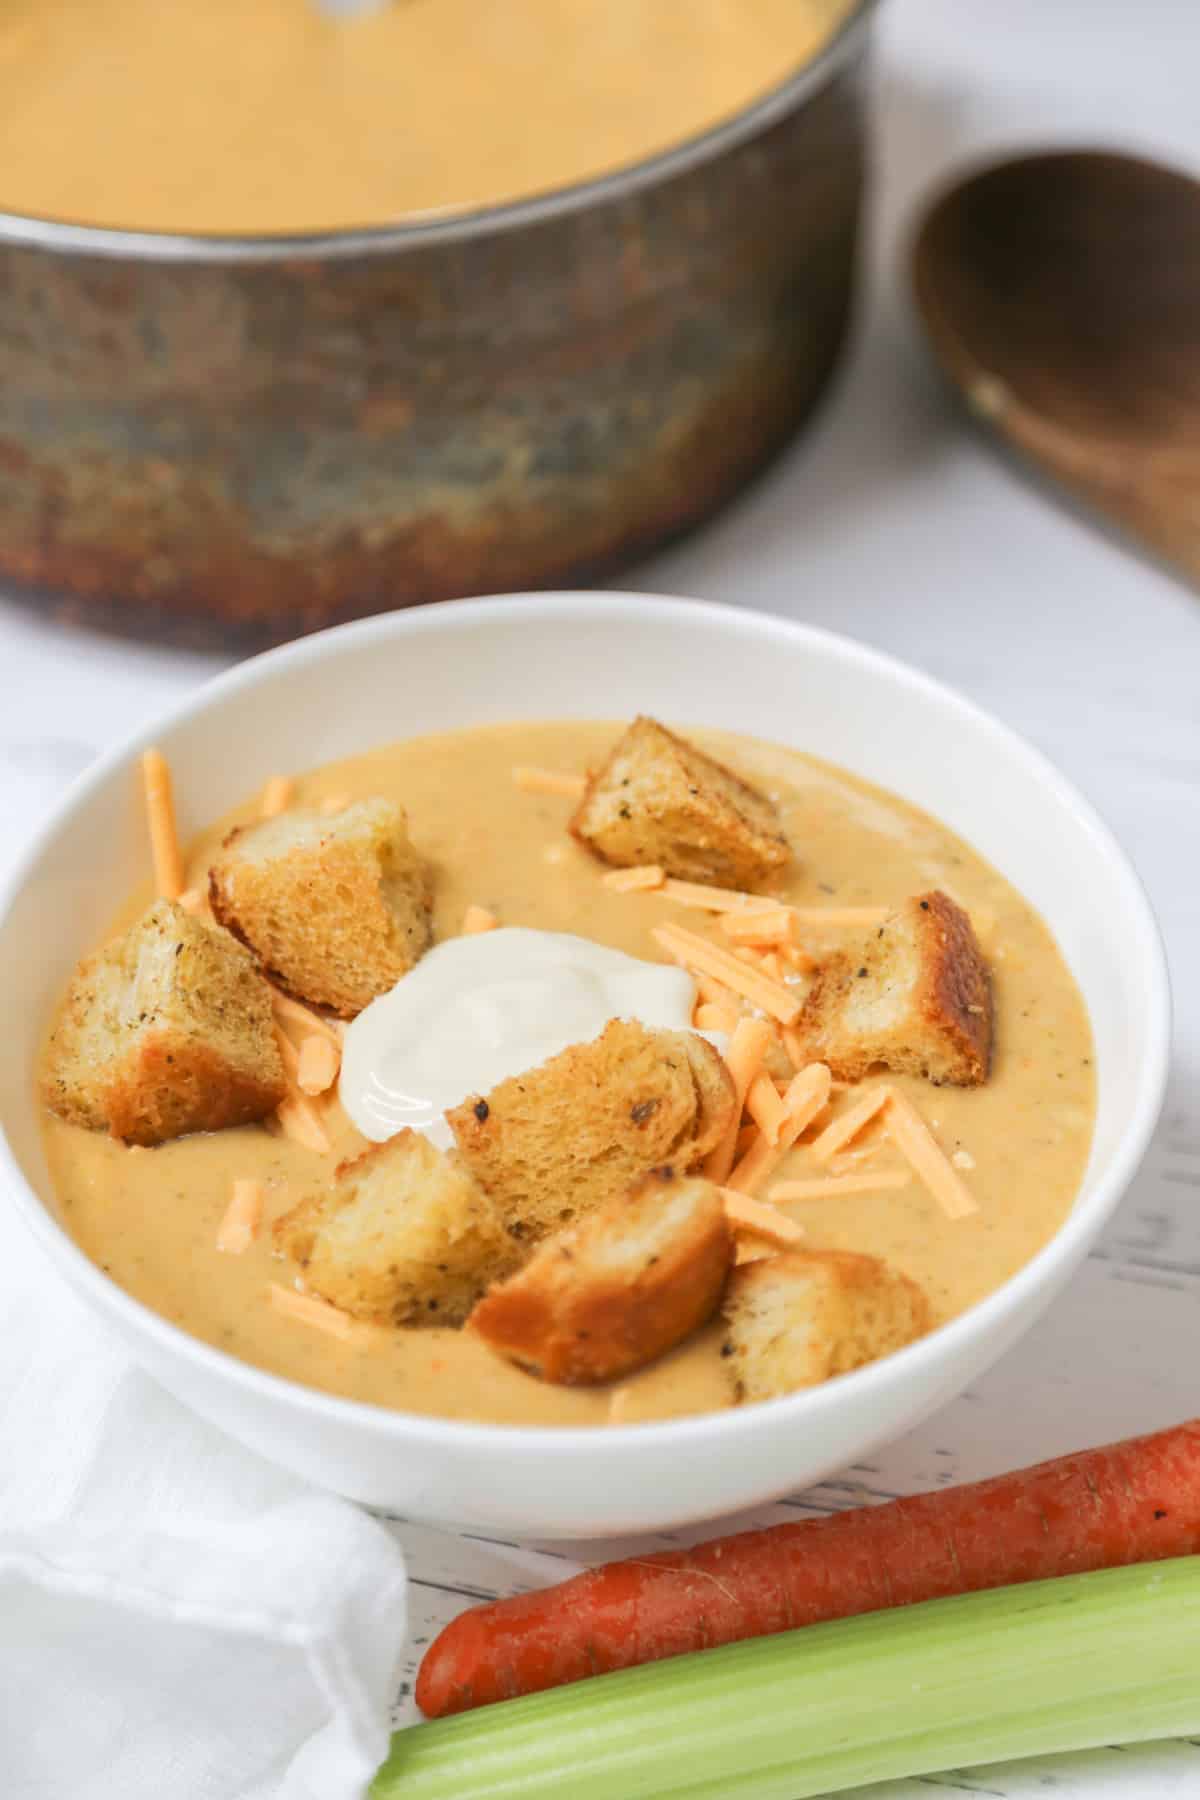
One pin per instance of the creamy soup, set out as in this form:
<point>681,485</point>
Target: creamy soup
<point>264,116</point>
<point>150,1217</point>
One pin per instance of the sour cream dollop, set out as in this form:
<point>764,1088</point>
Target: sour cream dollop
<point>476,1010</point>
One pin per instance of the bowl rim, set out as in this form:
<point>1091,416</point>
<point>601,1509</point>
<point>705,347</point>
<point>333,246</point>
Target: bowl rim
<point>624,611</point>
<point>71,238</point>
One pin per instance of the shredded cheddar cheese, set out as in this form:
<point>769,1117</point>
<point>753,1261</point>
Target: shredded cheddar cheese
<point>913,1138</point>
<point>710,1017</point>
<point>773,925</point>
<point>765,1107</point>
<point>160,816</point>
<point>193,901</point>
<point>844,1129</point>
<point>634,881</point>
<point>276,796</point>
<point>618,1405</point>
<point>317,1065</point>
<point>241,1219</point>
<point>745,1214</point>
<point>549,781</point>
<point>298,1120</point>
<point>807,1096</point>
<point>693,951</point>
<point>289,1055</point>
<point>306,1309</point>
<point>729,900</point>
<point>478,919</point>
<point>743,1059</point>
<point>837,917</point>
<point>335,803</point>
<point>715,991</point>
<point>291,1012</point>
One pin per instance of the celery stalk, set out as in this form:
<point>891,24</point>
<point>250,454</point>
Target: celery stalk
<point>1110,1657</point>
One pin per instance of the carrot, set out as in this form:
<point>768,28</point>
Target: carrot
<point>1138,1501</point>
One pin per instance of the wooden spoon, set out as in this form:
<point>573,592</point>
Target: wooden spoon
<point>1061,294</point>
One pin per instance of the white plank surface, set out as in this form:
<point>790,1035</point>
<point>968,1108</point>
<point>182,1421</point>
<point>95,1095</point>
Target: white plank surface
<point>891,523</point>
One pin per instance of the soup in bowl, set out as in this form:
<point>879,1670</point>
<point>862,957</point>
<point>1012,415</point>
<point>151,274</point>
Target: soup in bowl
<point>600,1122</point>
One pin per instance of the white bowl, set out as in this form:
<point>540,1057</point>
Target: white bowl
<point>595,655</point>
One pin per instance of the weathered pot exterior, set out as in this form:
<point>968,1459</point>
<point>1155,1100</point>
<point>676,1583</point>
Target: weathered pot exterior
<point>242,441</point>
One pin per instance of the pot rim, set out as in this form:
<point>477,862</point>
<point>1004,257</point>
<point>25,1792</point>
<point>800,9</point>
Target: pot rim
<point>30,231</point>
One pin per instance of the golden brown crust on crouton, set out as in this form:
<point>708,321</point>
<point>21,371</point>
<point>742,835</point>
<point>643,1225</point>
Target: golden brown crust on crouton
<point>164,1031</point>
<point>610,1293</point>
<point>336,909</point>
<point>795,1320</point>
<point>553,1144</point>
<point>402,1237</point>
<point>660,800</point>
<point>916,998</point>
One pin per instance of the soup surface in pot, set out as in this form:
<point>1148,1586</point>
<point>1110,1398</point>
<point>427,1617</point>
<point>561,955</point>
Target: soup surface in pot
<point>1020,1140</point>
<point>272,116</point>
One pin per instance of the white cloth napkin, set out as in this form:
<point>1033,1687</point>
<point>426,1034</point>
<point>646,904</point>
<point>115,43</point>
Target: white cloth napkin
<point>177,1617</point>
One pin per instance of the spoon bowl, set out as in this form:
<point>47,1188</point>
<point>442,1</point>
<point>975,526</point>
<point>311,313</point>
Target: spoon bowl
<point>1061,295</point>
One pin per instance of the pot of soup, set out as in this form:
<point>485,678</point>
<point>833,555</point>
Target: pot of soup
<point>306,316</point>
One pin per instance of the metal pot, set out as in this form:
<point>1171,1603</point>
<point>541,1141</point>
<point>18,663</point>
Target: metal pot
<point>238,440</point>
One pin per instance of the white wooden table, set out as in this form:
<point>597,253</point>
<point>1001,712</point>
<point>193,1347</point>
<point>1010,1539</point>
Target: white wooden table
<point>891,523</point>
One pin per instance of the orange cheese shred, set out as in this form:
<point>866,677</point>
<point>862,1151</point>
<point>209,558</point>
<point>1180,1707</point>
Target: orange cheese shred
<point>710,1017</point>
<point>193,901</point>
<point>728,900</point>
<point>306,1309</point>
<point>772,925</point>
<point>765,1107</point>
<point>291,1012</point>
<point>276,796</point>
<point>634,881</point>
<point>846,1127</point>
<point>913,1138</point>
<point>618,1405</point>
<point>317,1065</point>
<point>478,919</point>
<point>298,1120</point>
<point>807,1095</point>
<point>743,1059</point>
<point>841,917</point>
<point>549,781</point>
<point>716,992</point>
<point>745,1214</point>
<point>242,1218</point>
<point>160,817</point>
<point>689,948</point>
<point>334,803</point>
<point>288,1052</point>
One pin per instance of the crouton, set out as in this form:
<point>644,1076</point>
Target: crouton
<point>164,1031</point>
<point>402,1237</point>
<point>795,1319</point>
<point>553,1144</point>
<point>616,1289</point>
<point>916,998</point>
<point>660,800</point>
<point>336,909</point>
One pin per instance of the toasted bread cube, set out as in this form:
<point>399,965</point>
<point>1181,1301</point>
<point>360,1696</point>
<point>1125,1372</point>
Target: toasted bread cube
<point>402,1237</point>
<point>608,1294</point>
<point>660,800</point>
<point>164,1031</point>
<point>796,1319</point>
<point>336,909</point>
<point>553,1144</point>
<point>917,999</point>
